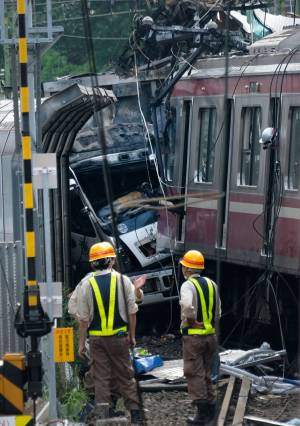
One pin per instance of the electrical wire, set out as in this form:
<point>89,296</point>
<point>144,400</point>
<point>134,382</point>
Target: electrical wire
<point>147,134</point>
<point>106,170</point>
<point>294,298</point>
<point>95,38</point>
<point>209,10</point>
<point>78,18</point>
<point>232,94</point>
<point>156,166</point>
<point>277,190</point>
<point>277,194</point>
<point>270,285</point>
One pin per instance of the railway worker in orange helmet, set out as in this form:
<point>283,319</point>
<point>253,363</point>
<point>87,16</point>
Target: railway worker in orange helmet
<point>199,301</point>
<point>102,314</point>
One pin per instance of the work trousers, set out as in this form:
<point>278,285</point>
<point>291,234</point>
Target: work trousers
<point>197,360</point>
<point>110,361</point>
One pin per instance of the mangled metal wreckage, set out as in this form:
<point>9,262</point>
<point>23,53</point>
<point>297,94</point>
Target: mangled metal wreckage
<point>80,211</point>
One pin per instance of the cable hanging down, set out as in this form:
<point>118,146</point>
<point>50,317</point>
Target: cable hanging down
<point>106,171</point>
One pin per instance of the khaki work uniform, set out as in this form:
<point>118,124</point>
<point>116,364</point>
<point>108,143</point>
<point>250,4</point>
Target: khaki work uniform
<point>199,345</point>
<point>100,301</point>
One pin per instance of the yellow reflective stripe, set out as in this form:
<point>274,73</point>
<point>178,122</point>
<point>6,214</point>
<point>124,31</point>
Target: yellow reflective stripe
<point>112,301</point>
<point>26,147</point>
<point>198,331</point>
<point>107,332</point>
<point>210,299</point>
<point>99,302</point>
<point>24,96</point>
<point>21,7</point>
<point>28,196</point>
<point>32,300</point>
<point>23,50</point>
<point>30,244</point>
<point>202,299</point>
<point>207,318</point>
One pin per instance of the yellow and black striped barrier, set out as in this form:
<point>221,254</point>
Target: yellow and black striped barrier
<point>16,421</point>
<point>32,321</point>
<point>32,294</point>
<point>12,380</point>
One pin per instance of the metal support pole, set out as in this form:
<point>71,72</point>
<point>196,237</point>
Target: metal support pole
<point>49,361</point>
<point>38,97</point>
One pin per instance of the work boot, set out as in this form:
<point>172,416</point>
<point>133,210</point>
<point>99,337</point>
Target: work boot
<point>136,417</point>
<point>113,412</point>
<point>200,415</point>
<point>211,412</point>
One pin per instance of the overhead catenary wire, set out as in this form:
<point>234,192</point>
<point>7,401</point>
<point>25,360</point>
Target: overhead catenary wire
<point>95,38</point>
<point>101,15</point>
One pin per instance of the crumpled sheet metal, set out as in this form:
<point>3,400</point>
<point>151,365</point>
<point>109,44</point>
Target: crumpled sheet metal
<point>173,370</point>
<point>170,371</point>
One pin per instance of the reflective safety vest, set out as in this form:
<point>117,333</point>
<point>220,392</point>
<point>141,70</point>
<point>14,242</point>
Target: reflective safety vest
<point>207,314</point>
<point>107,320</point>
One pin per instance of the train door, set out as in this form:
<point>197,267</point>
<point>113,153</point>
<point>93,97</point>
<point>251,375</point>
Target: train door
<point>248,172</point>
<point>203,174</point>
<point>175,153</point>
<point>287,232</point>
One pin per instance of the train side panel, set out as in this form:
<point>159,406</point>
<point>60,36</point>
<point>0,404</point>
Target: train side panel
<point>239,232</point>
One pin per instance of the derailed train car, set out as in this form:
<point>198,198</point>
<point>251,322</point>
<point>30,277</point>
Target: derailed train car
<point>239,191</point>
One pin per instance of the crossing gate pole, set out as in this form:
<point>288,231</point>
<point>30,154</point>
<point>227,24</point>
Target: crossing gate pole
<point>31,321</point>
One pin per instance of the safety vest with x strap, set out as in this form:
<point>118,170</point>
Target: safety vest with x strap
<point>207,311</point>
<point>107,320</point>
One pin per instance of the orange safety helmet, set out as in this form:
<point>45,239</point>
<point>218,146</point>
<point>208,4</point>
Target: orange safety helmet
<point>101,251</point>
<point>193,259</point>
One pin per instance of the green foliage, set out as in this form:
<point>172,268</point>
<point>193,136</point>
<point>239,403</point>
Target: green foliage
<point>73,402</point>
<point>110,27</point>
<point>70,392</point>
<point>56,64</point>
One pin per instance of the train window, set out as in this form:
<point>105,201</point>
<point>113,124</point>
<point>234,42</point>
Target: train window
<point>294,153</point>
<point>205,152</point>
<point>250,152</point>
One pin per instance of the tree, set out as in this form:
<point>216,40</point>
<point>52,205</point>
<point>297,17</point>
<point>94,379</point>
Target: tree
<point>110,29</point>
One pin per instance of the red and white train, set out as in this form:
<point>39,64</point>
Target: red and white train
<point>240,197</point>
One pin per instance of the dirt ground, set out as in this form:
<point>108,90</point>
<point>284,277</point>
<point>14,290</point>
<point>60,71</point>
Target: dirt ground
<point>274,407</point>
<point>173,408</point>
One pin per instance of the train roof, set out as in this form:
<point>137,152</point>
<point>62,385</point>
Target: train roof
<point>284,40</point>
<point>263,58</point>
